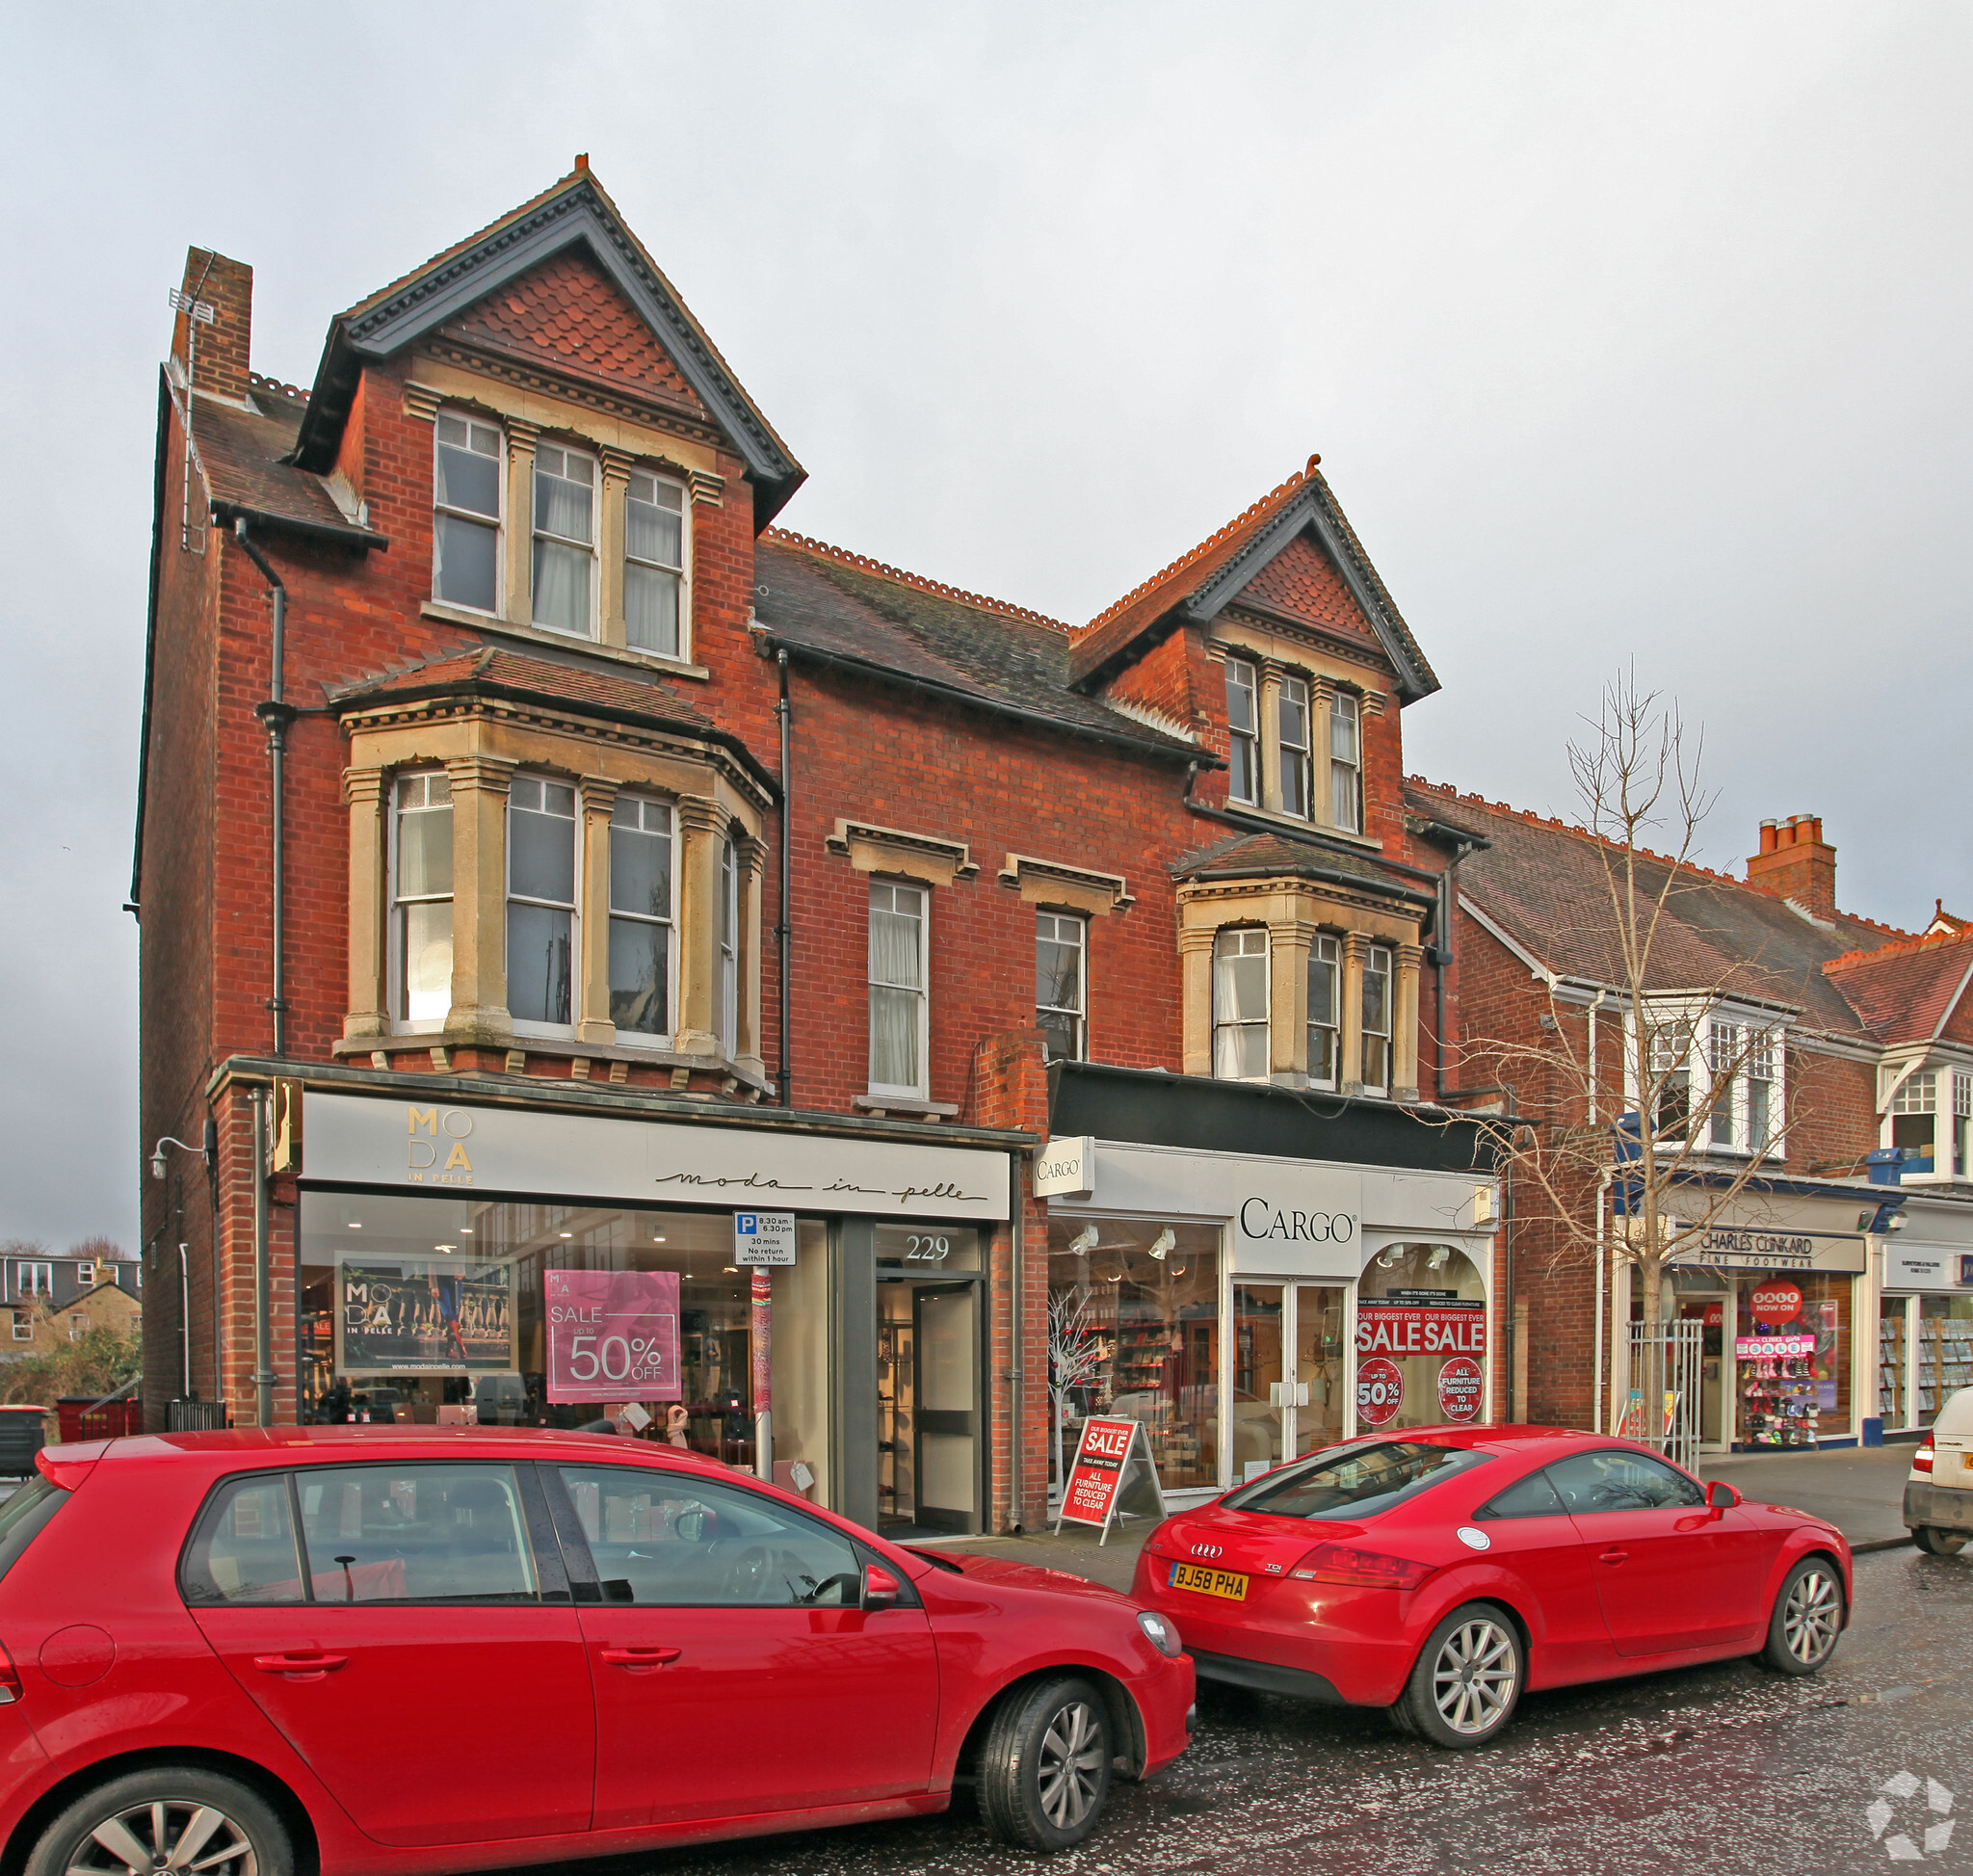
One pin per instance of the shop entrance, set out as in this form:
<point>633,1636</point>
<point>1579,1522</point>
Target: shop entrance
<point>928,1413</point>
<point>1287,1372</point>
<point>1710,1310</point>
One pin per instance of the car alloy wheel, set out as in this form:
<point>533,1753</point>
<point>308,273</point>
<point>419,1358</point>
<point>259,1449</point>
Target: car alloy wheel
<point>1812,1617</point>
<point>175,1834</point>
<point>1475,1676</point>
<point>1068,1773</point>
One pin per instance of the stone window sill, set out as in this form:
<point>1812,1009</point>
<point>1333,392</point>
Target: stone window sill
<point>623,654</point>
<point>1275,818</point>
<point>883,1104</point>
<point>556,1048</point>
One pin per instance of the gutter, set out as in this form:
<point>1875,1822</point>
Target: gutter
<point>953,693</point>
<point>232,513</point>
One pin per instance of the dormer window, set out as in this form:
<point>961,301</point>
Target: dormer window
<point>565,541</point>
<point>1914,1121</point>
<point>465,518</point>
<point>1243,732</point>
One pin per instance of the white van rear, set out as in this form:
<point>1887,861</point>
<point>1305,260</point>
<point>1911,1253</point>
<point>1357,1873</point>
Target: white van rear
<point>1939,1489</point>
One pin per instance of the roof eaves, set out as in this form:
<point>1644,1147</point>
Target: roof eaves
<point>1310,870</point>
<point>574,212</point>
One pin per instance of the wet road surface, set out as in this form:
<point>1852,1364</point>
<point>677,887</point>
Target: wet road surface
<point>1724,1769</point>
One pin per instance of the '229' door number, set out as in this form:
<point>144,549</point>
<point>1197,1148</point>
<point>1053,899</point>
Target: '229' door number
<point>926,1249</point>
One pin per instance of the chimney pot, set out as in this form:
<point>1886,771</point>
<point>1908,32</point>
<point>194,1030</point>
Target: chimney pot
<point>1769,836</point>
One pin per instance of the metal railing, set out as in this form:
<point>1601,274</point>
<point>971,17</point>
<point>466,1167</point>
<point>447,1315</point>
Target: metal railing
<point>1662,1409</point>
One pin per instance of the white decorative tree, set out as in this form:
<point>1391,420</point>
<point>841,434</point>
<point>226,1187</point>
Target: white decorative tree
<point>1075,1353</point>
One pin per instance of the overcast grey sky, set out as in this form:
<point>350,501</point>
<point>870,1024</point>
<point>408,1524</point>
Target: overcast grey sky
<point>1624,331</point>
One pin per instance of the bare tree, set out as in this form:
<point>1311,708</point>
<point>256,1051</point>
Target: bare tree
<point>103,1250</point>
<point>1696,1055</point>
<point>1076,1352</point>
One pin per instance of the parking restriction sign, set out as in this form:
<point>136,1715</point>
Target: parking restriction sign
<point>763,1237</point>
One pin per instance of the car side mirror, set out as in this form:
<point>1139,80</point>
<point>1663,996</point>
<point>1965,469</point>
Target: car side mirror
<point>881,1589</point>
<point>1722,1496</point>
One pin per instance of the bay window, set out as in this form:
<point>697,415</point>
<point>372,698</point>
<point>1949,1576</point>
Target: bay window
<point>1240,1005</point>
<point>1243,727</point>
<point>1762,1062</point>
<point>1060,952</point>
<point>897,1017</point>
<point>1325,1009</point>
<point>421,900</point>
<point>653,564</point>
<point>1723,1049</point>
<point>540,901</point>
<point>465,511</point>
<point>565,541</point>
<point>1914,1121</point>
<point>1376,1018</point>
<point>1346,763</point>
<point>641,917</point>
<point>1292,722</point>
<point>1962,1125</point>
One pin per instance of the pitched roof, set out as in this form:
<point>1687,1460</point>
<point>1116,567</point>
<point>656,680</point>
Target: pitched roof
<point>572,214</point>
<point>849,610</point>
<point>1905,991</point>
<point>1541,883</point>
<point>1201,583</point>
<point>241,454</point>
<point>1268,855</point>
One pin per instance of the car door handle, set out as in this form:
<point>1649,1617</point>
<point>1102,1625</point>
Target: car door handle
<point>300,1664</point>
<point>640,1658</point>
<point>1615,1556</point>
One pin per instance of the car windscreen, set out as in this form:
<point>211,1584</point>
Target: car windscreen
<point>23,1516</point>
<point>1354,1481</point>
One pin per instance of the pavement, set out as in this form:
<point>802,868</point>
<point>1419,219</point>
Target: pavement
<point>1859,1490</point>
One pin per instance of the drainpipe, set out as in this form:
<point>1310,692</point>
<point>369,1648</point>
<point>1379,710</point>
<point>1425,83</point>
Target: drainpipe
<point>784,1073</point>
<point>263,1372</point>
<point>1597,1368</point>
<point>276,714</point>
<point>1017,1368</point>
<point>185,1320</point>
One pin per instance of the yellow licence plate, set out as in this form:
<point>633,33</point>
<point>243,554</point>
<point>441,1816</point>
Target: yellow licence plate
<point>1209,1581</point>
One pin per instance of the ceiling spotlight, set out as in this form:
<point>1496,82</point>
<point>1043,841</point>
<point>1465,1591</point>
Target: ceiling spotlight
<point>657,1240</point>
<point>732,1270</point>
<point>1441,1255</point>
<point>445,1247</point>
<point>567,1234</point>
<point>466,1231</point>
<point>354,1225</point>
<point>1084,1242</point>
<point>1118,1279</point>
<point>1160,1245</point>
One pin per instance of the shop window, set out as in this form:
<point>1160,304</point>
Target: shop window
<point>1914,1121</point>
<point>1945,1351</point>
<point>672,1540</point>
<point>1292,728</point>
<point>1893,1359</point>
<point>1060,952</point>
<point>1421,1338</point>
<point>565,541</point>
<point>898,1015</point>
<point>1376,1018</point>
<point>1806,1398</point>
<point>1345,762</point>
<point>653,565</point>
<point>1134,1334</point>
<point>421,900</point>
<point>642,915</point>
<point>415,1533</point>
<point>1243,737</point>
<point>1325,1009</point>
<point>465,518</point>
<point>540,901</point>
<point>1240,1004</point>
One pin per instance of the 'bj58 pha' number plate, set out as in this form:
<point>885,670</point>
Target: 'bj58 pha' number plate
<point>1229,1583</point>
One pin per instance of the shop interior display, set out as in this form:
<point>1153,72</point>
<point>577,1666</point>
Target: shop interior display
<point>1945,1361</point>
<point>1779,1391</point>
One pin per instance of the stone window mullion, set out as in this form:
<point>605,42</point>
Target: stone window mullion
<point>479,896</point>
<point>616,478</point>
<point>594,1021</point>
<point>701,825</point>
<point>519,597</point>
<point>1288,942</point>
<point>1404,1024</point>
<point>1356,950</point>
<point>1270,726</point>
<point>754,865</point>
<point>366,791</point>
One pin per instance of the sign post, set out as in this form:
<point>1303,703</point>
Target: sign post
<point>1095,1482</point>
<point>761,1241</point>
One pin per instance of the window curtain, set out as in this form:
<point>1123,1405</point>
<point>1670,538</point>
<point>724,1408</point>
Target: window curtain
<point>896,979</point>
<point>561,587</point>
<point>1240,1013</point>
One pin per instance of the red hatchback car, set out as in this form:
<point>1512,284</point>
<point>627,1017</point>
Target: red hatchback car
<point>1439,1573</point>
<point>399,1649</point>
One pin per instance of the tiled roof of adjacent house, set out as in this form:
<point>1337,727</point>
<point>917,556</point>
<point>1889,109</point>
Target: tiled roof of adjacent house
<point>1543,882</point>
<point>1905,991</point>
<point>839,605</point>
<point>496,672</point>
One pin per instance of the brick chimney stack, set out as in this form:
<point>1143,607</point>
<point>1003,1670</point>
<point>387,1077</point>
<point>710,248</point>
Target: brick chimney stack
<point>223,347</point>
<point>1796,862</point>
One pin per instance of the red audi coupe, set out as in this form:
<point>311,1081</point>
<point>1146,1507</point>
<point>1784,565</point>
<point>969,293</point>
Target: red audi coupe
<point>1440,1573</point>
<point>404,1650</point>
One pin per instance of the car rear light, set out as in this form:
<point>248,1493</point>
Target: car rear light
<point>1373,1570</point>
<point>1921,1460</point>
<point>9,1680</point>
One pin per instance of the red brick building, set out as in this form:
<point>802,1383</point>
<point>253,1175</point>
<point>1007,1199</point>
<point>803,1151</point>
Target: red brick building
<point>541,859</point>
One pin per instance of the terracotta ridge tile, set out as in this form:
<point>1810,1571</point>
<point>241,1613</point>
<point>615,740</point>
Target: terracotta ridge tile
<point>1296,482</point>
<point>864,563</point>
<point>1902,946</point>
